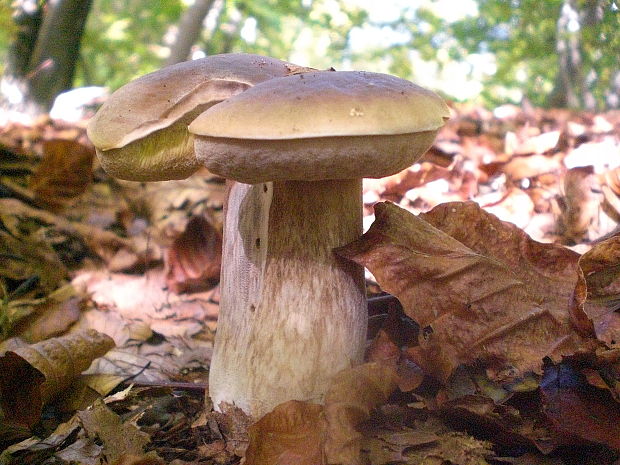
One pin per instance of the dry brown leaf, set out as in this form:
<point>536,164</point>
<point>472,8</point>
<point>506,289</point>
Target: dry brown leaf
<point>119,438</point>
<point>531,458</point>
<point>578,409</point>
<point>39,450</point>
<point>482,290</point>
<point>390,446</point>
<point>429,443</point>
<point>413,177</point>
<point>352,396</point>
<point>60,360</point>
<point>537,143</point>
<point>20,391</point>
<point>580,203</point>
<point>104,243</point>
<point>296,69</point>
<point>601,268</point>
<point>301,433</point>
<point>65,172</point>
<point>25,254</point>
<point>195,258</point>
<point>148,459</point>
<point>232,425</point>
<point>291,434</point>
<point>52,316</point>
<point>529,167</point>
<point>598,289</point>
<point>386,349</point>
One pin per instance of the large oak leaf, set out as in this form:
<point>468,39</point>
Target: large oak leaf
<point>480,288</point>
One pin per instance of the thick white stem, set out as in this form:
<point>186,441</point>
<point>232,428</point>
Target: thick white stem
<point>292,314</point>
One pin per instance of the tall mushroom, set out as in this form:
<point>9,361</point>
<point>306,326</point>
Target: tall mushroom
<point>140,132</point>
<point>292,314</point>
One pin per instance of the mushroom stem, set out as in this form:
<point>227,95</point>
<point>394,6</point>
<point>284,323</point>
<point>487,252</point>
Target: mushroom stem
<point>292,314</point>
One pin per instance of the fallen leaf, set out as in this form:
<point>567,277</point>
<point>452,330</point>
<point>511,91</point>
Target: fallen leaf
<point>83,451</point>
<point>597,290</point>
<point>291,434</point>
<point>300,433</point>
<point>60,360</point>
<point>148,459</point>
<point>540,143</point>
<point>25,254</point>
<point>529,167</point>
<point>49,316</point>
<point>20,391</point>
<point>580,203</point>
<point>195,258</point>
<point>64,173</point>
<point>233,425</point>
<point>531,458</point>
<point>429,443</point>
<point>353,394</point>
<point>36,449</point>
<point>578,409</point>
<point>481,290</point>
<point>118,438</point>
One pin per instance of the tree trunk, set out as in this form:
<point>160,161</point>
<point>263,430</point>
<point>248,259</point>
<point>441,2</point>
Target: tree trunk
<point>53,61</point>
<point>190,28</point>
<point>27,16</point>
<point>571,89</point>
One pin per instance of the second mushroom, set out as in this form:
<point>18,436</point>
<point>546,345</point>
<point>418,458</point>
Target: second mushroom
<point>292,314</point>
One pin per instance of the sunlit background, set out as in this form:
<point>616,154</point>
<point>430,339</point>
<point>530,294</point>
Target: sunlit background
<point>553,53</point>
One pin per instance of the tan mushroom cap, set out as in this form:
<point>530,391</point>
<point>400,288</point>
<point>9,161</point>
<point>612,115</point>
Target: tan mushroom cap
<point>141,131</point>
<point>319,125</point>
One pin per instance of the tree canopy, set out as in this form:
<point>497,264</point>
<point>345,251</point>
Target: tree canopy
<point>563,53</point>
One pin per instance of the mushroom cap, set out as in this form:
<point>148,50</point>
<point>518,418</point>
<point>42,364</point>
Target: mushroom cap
<point>319,125</point>
<point>140,132</point>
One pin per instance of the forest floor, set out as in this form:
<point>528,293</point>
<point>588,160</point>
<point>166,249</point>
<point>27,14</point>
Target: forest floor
<point>514,357</point>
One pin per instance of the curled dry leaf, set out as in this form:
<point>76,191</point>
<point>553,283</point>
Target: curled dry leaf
<point>352,396</point>
<point>195,258</point>
<point>60,360</point>
<point>577,409</point>
<point>480,288</point>
<point>65,172</point>
<point>301,433</point>
<point>580,203</point>
<point>598,288</point>
<point>292,433</point>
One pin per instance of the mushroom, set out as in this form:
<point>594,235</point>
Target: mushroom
<point>292,314</point>
<point>140,132</point>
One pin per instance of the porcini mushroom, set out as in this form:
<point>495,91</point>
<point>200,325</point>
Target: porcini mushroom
<point>292,314</point>
<point>140,132</point>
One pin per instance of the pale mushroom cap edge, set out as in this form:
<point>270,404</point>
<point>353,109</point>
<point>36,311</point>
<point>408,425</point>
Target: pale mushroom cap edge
<point>157,100</point>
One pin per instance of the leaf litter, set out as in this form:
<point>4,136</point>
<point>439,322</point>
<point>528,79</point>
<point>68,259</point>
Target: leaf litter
<point>502,349</point>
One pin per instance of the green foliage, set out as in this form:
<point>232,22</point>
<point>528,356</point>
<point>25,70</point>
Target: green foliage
<point>7,27</point>
<point>127,38</point>
<point>522,35</point>
<point>124,39</point>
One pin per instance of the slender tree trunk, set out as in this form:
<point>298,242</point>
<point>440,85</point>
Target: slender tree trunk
<point>571,88</point>
<point>190,28</point>
<point>53,61</point>
<point>27,16</point>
